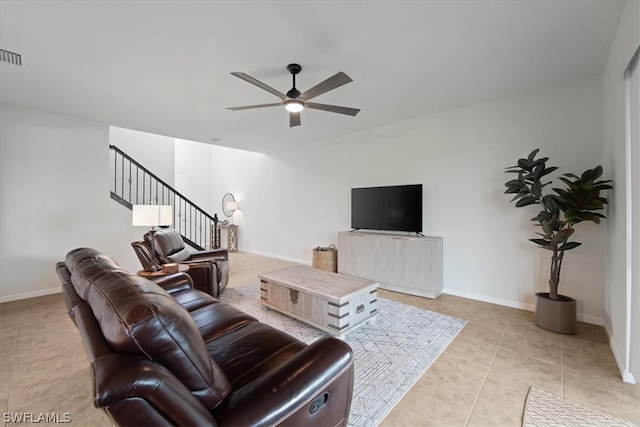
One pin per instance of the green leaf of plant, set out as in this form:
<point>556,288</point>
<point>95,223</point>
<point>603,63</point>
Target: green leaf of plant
<point>532,155</point>
<point>540,163</point>
<point>571,184</point>
<point>568,246</point>
<point>514,183</point>
<point>523,192</point>
<point>540,242</point>
<point>562,193</point>
<point>571,214</point>
<point>588,216</point>
<point>565,234</point>
<point>524,165</point>
<point>542,217</point>
<point>587,175</point>
<point>600,187</point>
<point>547,171</point>
<point>597,172</point>
<point>536,189</point>
<point>511,191</point>
<point>594,205</point>
<point>526,201</point>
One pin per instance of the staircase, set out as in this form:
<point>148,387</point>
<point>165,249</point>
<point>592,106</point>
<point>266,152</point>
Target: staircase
<point>133,184</point>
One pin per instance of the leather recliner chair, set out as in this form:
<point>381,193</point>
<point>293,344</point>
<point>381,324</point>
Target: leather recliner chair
<point>208,269</point>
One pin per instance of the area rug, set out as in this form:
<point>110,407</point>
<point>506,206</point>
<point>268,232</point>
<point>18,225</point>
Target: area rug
<point>545,409</point>
<point>390,355</point>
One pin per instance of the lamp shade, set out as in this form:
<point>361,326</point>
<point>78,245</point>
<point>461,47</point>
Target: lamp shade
<point>231,205</point>
<point>152,215</point>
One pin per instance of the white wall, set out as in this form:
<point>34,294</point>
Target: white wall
<point>616,296</point>
<point>300,198</point>
<point>194,159</point>
<point>240,173</point>
<point>54,195</point>
<point>296,199</point>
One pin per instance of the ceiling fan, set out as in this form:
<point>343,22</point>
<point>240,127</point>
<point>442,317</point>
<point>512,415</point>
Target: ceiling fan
<point>294,101</point>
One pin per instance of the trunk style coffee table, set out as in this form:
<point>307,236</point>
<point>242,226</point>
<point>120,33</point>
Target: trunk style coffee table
<point>334,302</point>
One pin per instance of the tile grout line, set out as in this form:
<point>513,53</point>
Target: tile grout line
<point>562,366</point>
<point>13,361</point>
<point>486,375</point>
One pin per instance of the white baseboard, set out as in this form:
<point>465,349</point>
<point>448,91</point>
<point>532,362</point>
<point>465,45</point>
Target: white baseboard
<point>594,320</point>
<point>479,297</point>
<point>284,258</point>
<point>627,376</point>
<point>32,294</point>
<point>529,307</point>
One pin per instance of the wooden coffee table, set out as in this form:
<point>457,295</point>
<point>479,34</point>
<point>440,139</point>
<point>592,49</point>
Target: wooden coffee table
<point>334,302</point>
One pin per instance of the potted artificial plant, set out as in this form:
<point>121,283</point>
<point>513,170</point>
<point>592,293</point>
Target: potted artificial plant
<point>561,211</point>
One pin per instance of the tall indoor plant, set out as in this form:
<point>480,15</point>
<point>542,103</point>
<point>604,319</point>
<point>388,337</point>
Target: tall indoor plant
<point>561,210</point>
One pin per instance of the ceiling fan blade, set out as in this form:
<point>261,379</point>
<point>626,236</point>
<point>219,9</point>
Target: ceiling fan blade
<point>331,83</point>
<point>249,107</point>
<point>256,82</point>
<point>294,119</point>
<point>333,108</point>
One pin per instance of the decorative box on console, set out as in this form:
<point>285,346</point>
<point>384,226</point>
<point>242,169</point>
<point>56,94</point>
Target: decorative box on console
<point>170,267</point>
<point>333,302</point>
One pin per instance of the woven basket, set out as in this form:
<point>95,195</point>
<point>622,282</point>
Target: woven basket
<point>326,258</point>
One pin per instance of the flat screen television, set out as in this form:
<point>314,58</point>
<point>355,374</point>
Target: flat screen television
<point>396,208</point>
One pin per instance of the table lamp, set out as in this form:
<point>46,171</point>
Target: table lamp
<point>152,216</point>
<point>232,206</point>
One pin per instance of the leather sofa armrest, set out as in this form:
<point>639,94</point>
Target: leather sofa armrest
<point>121,378</point>
<point>204,274</point>
<point>289,391</point>
<point>211,253</point>
<point>174,282</point>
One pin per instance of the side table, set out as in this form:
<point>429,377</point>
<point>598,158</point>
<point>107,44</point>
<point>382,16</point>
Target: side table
<point>182,268</point>
<point>232,236</point>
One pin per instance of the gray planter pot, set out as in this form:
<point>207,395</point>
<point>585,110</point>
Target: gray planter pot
<point>556,315</point>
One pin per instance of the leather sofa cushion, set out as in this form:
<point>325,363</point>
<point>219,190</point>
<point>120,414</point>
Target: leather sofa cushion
<point>262,347</point>
<point>139,317</point>
<point>169,244</point>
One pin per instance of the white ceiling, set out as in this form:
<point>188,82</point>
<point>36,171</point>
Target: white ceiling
<point>163,66</point>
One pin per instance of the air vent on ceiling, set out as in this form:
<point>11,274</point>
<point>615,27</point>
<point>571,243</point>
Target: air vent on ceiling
<point>10,57</point>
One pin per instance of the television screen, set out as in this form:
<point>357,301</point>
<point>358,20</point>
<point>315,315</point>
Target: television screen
<point>397,208</point>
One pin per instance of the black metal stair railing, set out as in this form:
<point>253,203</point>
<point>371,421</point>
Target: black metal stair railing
<point>133,184</point>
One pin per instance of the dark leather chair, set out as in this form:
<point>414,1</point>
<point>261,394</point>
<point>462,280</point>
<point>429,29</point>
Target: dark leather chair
<point>175,356</point>
<point>208,269</point>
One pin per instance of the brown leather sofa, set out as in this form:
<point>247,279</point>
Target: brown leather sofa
<point>209,269</point>
<point>166,354</point>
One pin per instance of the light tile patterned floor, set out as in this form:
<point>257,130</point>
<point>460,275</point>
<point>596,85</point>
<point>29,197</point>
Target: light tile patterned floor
<point>482,379</point>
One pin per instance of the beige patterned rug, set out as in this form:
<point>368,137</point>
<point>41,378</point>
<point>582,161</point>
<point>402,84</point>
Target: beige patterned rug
<point>544,409</point>
<point>390,355</point>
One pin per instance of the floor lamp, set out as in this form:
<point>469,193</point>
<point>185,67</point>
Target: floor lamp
<point>152,216</point>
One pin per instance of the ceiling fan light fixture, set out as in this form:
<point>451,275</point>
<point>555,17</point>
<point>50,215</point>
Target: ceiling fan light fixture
<point>294,106</point>
<point>294,101</point>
